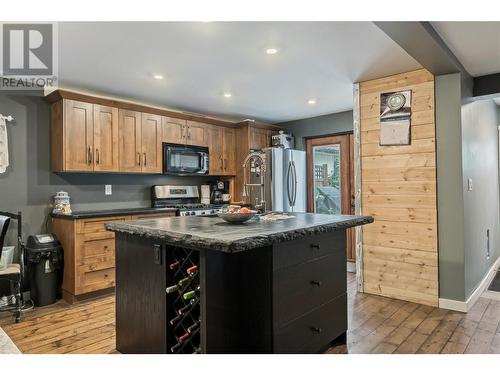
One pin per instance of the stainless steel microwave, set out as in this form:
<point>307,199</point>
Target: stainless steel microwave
<point>183,160</point>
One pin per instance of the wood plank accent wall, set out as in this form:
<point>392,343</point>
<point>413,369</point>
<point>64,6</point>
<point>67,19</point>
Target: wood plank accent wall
<point>398,188</point>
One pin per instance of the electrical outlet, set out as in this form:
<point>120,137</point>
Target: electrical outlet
<point>469,184</point>
<point>108,190</point>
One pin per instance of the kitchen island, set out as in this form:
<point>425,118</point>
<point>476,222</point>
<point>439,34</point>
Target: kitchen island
<point>199,284</point>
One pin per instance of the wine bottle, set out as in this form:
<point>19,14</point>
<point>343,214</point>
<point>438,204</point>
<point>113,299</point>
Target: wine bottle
<point>174,265</point>
<point>182,311</point>
<point>175,347</point>
<point>184,337</point>
<point>193,327</point>
<point>192,293</point>
<point>180,284</point>
<point>172,288</point>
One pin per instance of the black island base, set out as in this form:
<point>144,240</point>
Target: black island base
<point>200,285</point>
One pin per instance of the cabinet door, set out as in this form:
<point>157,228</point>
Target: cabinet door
<point>196,133</point>
<point>106,139</point>
<point>129,133</point>
<point>174,130</point>
<point>229,152</point>
<point>259,138</point>
<point>78,136</point>
<point>151,143</point>
<point>215,141</point>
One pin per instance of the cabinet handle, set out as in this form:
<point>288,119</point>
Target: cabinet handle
<point>316,329</point>
<point>105,247</point>
<point>316,282</point>
<point>315,246</point>
<point>189,132</point>
<point>89,155</point>
<point>138,158</point>
<point>182,131</point>
<point>221,163</point>
<point>97,156</point>
<point>225,164</point>
<point>145,160</point>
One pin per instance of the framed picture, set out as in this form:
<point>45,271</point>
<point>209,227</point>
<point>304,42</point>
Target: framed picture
<point>395,115</point>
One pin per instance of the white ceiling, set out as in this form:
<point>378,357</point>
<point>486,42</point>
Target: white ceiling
<point>475,44</point>
<point>201,61</point>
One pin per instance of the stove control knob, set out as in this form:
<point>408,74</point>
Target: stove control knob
<point>193,213</point>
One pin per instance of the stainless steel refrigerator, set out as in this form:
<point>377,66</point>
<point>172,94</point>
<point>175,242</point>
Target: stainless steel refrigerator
<point>285,181</point>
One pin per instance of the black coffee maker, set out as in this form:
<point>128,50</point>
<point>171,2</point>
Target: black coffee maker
<point>217,190</point>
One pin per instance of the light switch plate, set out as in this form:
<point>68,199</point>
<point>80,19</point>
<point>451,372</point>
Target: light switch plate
<point>108,190</point>
<point>469,184</point>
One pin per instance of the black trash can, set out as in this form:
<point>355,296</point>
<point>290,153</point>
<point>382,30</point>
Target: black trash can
<point>43,255</point>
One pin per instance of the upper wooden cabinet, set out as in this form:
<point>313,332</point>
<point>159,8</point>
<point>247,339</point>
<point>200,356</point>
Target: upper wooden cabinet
<point>129,131</point>
<point>140,137</point>
<point>229,151</point>
<point>174,130</point>
<point>196,133</point>
<point>215,149</point>
<point>78,136</point>
<point>106,138</point>
<point>84,137</point>
<point>151,137</point>
<point>222,149</point>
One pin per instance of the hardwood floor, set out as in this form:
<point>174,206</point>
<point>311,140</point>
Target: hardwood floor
<point>376,325</point>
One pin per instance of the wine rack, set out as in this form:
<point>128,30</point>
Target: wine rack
<point>183,301</point>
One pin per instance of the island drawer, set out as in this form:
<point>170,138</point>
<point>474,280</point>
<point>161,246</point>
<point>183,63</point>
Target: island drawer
<point>314,330</point>
<point>89,281</point>
<point>308,248</point>
<point>312,283</point>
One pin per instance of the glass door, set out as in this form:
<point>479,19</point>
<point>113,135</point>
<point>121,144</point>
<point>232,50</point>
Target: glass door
<point>330,178</point>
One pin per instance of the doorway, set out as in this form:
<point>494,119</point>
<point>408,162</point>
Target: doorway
<point>330,181</point>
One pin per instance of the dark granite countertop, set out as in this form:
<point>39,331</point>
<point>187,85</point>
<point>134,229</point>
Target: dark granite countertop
<point>115,212</point>
<point>212,233</point>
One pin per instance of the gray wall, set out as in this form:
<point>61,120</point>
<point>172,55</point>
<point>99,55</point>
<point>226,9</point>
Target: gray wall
<point>481,204</point>
<point>449,187</point>
<point>317,126</point>
<point>28,184</point>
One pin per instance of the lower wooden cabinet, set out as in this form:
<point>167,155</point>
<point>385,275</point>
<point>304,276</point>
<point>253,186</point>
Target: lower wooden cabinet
<point>89,254</point>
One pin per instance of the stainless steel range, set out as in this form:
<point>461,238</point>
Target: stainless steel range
<point>185,198</point>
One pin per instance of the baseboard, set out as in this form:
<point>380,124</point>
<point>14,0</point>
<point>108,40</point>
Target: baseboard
<point>464,306</point>
<point>451,304</point>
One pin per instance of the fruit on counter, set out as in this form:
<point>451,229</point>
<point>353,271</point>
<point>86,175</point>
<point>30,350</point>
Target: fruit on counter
<point>234,209</point>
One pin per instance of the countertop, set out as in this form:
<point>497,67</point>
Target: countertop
<point>212,233</point>
<point>115,212</point>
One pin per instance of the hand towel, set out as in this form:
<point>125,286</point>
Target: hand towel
<point>4,146</point>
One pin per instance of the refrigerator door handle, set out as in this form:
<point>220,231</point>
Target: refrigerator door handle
<point>288,183</point>
<point>294,183</point>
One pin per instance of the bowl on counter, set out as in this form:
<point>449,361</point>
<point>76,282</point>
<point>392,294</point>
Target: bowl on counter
<point>236,217</point>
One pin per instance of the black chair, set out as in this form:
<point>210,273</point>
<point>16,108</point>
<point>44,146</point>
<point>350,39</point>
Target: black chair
<point>15,271</point>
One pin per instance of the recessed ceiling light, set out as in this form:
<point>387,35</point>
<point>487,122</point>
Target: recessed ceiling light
<point>227,95</point>
<point>311,101</point>
<point>158,76</point>
<point>272,51</point>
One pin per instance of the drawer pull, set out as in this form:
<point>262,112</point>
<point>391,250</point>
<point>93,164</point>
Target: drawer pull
<point>105,275</point>
<point>316,329</point>
<point>315,246</point>
<point>316,282</point>
<point>105,247</point>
